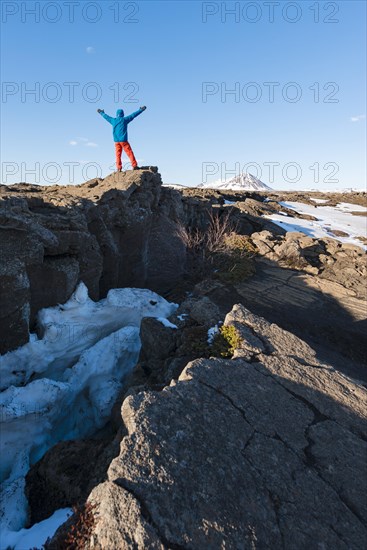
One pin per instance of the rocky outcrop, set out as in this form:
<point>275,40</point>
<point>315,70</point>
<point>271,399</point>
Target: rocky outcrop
<point>258,453</point>
<point>116,232</point>
<point>111,233</point>
<point>126,230</point>
<point>332,260</point>
<point>246,209</point>
<point>325,314</point>
<point>330,198</point>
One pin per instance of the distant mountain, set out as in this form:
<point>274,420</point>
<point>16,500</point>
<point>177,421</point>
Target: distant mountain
<point>242,182</point>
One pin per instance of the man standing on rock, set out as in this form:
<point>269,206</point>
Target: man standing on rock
<point>119,125</point>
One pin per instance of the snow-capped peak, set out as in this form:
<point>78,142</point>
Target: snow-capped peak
<point>242,182</point>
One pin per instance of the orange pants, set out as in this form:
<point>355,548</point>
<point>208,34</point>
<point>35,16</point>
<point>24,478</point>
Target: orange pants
<point>124,146</point>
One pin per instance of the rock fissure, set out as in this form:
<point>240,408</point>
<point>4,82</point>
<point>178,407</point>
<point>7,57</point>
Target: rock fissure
<point>276,436</point>
<point>318,415</point>
<point>311,462</point>
<point>276,507</point>
<point>275,499</point>
<point>219,392</point>
<point>248,442</point>
<point>309,364</point>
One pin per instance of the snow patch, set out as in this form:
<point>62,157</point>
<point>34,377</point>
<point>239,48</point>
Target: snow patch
<point>182,316</point>
<point>329,218</point>
<point>212,332</point>
<point>166,322</point>
<point>36,536</point>
<point>319,201</point>
<point>349,207</point>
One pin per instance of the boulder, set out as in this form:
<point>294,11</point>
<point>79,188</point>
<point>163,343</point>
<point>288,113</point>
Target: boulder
<point>205,312</point>
<point>261,454</point>
<point>264,242</point>
<point>121,521</point>
<point>291,253</point>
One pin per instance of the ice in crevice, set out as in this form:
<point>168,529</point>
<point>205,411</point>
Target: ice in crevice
<point>63,385</point>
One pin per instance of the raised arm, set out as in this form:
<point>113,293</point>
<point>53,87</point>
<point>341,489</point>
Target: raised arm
<point>106,117</point>
<point>131,117</point>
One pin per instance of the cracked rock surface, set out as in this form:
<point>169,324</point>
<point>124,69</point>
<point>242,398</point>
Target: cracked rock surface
<point>264,453</point>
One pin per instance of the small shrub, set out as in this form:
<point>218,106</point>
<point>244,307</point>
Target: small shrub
<point>210,240</point>
<point>234,263</point>
<point>79,529</point>
<point>201,244</point>
<point>225,342</point>
<point>193,239</point>
<point>233,267</point>
<point>233,241</point>
<point>219,251</point>
<point>195,342</point>
<point>219,228</point>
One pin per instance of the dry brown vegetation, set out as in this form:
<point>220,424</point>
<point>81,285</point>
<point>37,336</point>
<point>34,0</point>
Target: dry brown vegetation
<point>219,251</point>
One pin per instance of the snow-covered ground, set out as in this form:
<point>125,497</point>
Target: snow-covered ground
<point>64,385</point>
<point>36,536</point>
<point>348,207</point>
<point>329,218</point>
<point>319,201</point>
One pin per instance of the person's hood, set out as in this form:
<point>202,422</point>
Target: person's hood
<point>120,113</point>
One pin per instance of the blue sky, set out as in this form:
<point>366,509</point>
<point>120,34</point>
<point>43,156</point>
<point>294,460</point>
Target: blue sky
<point>179,59</point>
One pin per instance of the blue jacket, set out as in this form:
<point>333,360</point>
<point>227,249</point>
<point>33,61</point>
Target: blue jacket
<point>120,123</point>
